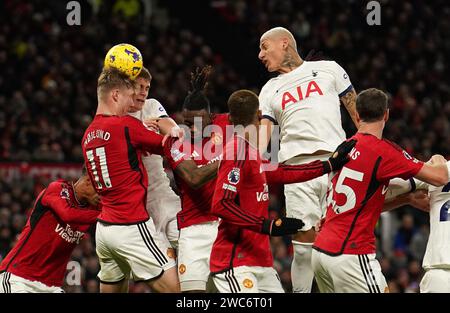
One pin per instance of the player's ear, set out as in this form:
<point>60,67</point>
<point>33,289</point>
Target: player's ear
<point>386,115</point>
<point>115,94</point>
<point>358,119</point>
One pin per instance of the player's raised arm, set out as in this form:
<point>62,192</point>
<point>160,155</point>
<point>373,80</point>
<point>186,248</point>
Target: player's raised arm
<point>185,167</point>
<point>288,174</point>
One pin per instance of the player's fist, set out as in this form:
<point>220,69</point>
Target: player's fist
<point>282,226</point>
<point>340,156</point>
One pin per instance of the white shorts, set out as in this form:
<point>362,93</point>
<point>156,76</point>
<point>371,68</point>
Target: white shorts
<point>131,251</point>
<point>10,283</point>
<point>248,279</point>
<point>348,273</point>
<point>163,208</point>
<point>194,252</point>
<point>435,281</point>
<point>307,200</point>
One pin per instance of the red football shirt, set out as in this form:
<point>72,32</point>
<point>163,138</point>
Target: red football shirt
<point>56,225</point>
<point>356,196</point>
<point>112,150</point>
<point>196,203</point>
<point>241,199</point>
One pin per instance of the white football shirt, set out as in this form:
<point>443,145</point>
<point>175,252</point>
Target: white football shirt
<point>437,254</point>
<point>162,202</point>
<point>305,103</point>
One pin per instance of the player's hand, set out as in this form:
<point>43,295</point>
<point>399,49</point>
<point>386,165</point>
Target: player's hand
<point>282,226</point>
<point>152,124</point>
<point>340,156</point>
<point>420,200</point>
<point>319,225</point>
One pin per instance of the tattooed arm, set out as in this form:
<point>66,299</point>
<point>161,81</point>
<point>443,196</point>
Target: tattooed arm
<point>349,101</point>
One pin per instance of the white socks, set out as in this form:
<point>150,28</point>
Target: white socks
<point>302,274</point>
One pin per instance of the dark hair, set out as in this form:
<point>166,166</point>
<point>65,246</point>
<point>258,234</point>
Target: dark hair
<point>371,104</point>
<point>243,105</point>
<point>111,78</point>
<point>196,98</point>
<point>145,74</point>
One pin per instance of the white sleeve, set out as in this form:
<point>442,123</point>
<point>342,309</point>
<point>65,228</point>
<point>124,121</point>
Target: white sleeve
<point>153,108</point>
<point>399,186</point>
<point>265,105</point>
<point>342,81</point>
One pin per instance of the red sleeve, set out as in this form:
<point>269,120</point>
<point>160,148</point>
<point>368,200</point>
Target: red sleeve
<point>174,151</point>
<point>288,174</point>
<point>228,185</point>
<point>396,162</point>
<point>55,199</point>
<point>142,137</point>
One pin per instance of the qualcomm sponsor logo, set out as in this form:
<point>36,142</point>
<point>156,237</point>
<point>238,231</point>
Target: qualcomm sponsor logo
<point>68,234</point>
<point>263,195</point>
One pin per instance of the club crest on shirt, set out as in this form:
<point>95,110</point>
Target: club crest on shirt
<point>234,175</point>
<point>65,193</point>
<point>248,283</point>
<point>182,268</point>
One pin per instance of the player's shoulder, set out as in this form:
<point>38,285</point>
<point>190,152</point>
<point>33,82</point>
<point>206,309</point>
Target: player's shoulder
<point>152,103</point>
<point>269,86</point>
<point>59,187</point>
<point>391,145</point>
<point>329,65</point>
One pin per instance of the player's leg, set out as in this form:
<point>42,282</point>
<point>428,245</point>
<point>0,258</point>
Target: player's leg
<point>194,251</point>
<point>114,270</point>
<point>150,258</point>
<point>118,287</point>
<point>236,280</point>
<point>304,201</point>
<point>435,281</point>
<point>172,233</point>
<point>321,274</point>
<point>356,273</point>
<point>10,283</point>
<point>268,280</point>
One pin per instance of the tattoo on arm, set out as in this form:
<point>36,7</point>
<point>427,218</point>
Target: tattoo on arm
<point>349,101</point>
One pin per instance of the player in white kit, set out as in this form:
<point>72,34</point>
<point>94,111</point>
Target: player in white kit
<point>162,202</point>
<point>436,261</point>
<point>304,101</point>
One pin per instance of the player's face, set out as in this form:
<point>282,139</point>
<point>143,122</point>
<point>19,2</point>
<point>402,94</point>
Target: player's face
<point>191,116</point>
<point>271,53</point>
<point>141,93</point>
<point>88,191</point>
<point>125,100</point>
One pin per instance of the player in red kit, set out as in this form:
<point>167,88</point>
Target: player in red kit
<point>112,148</point>
<point>241,258</point>
<point>62,213</point>
<point>344,251</point>
<point>198,227</point>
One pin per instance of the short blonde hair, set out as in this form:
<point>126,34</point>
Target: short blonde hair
<point>111,78</point>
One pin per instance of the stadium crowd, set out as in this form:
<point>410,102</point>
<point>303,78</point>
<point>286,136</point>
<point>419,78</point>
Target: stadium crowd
<point>49,72</point>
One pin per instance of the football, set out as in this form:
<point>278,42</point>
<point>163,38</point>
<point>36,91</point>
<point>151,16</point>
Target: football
<point>126,58</point>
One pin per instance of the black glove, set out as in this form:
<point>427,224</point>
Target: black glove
<point>340,156</point>
<point>282,226</point>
